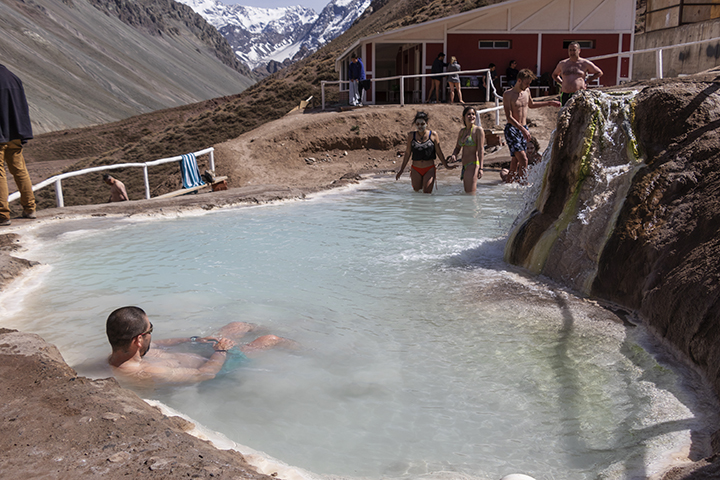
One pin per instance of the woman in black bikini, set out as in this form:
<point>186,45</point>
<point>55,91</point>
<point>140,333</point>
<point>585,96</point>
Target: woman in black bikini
<point>424,145</point>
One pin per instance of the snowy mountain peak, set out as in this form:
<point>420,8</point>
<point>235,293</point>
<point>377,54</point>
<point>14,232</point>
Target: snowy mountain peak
<point>262,36</point>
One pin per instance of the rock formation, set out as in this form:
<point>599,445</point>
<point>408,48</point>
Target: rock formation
<point>639,226</point>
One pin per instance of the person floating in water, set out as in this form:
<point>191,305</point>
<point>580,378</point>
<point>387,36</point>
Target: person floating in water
<point>516,102</point>
<point>424,144</point>
<point>471,140</point>
<point>129,332</point>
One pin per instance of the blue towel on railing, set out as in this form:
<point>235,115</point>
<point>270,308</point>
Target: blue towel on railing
<point>189,171</point>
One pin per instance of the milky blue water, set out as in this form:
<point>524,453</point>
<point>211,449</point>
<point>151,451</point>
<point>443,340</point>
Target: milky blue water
<point>423,352</point>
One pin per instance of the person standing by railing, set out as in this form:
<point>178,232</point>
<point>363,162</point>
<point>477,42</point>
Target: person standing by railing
<point>437,67</point>
<point>356,74</point>
<point>454,80</point>
<point>15,131</point>
<point>117,189</point>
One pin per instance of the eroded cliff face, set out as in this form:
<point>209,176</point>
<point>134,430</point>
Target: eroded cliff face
<point>663,257</point>
<point>651,242</point>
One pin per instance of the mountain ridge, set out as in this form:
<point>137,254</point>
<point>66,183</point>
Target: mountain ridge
<point>89,62</point>
<point>267,39</point>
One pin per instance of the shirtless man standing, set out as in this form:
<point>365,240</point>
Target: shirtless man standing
<point>117,189</point>
<point>572,72</point>
<point>516,102</point>
<point>130,334</point>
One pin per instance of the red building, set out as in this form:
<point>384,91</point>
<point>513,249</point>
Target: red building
<point>534,33</point>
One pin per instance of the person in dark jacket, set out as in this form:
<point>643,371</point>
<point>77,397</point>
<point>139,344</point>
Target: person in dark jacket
<point>15,131</point>
<point>356,74</point>
<point>437,67</point>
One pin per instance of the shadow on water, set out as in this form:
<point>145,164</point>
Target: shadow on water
<point>647,356</point>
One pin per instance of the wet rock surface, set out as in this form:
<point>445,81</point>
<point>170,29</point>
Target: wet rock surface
<point>662,254</point>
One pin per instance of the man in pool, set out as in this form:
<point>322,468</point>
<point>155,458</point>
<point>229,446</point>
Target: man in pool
<point>517,101</point>
<point>129,332</point>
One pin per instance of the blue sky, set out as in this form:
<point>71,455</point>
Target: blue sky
<point>316,5</point>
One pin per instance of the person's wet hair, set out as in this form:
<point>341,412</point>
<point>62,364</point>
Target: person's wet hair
<point>421,116</point>
<point>526,73</point>
<point>124,324</point>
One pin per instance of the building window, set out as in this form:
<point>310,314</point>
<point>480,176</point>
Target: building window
<point>582,43</point>
<point>491,44</point>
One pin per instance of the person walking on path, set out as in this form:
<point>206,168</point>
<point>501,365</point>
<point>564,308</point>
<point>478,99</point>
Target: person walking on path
<point>572,73</point>
<point>15,131</point>
<point>454,80</point>
<point>356,74</point>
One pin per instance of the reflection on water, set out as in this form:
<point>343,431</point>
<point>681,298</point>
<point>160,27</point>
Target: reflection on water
<point>423,352</point>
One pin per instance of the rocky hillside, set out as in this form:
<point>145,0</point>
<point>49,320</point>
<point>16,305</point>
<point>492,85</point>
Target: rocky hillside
<point>88,62</point>
<point>193,127</point>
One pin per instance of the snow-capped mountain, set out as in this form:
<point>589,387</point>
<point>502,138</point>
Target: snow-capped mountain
<point>269,38</point>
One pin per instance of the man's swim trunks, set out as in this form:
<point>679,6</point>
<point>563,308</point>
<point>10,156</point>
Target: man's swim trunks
<point>235,358</point>
<point>564,97</point>
<point>515,139</point>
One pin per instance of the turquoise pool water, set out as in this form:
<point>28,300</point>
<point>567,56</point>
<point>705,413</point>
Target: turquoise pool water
<point>424,354</point>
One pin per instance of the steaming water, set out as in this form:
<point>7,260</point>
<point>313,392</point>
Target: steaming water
<point>423,352</point>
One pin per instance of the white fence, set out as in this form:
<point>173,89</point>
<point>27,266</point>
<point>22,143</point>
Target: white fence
<point>402,78</point>
<point>658,54</point>
<point>57,179</point>
<point>402,82</point>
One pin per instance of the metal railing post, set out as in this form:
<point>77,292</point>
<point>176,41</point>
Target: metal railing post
<point>658,64</point>
<point>212,160</point>
<point>402,91</point>
<point>487,86</point>
<point>58,193</point>
<point>497,112</point>
<point>322,93</point>
<point>147,182</point>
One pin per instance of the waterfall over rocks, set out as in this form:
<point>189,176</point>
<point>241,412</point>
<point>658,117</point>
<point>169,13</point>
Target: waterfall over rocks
<point>594,158</point>
<point>629,211</point>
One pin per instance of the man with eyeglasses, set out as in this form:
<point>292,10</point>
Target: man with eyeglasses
<point>129,332</point>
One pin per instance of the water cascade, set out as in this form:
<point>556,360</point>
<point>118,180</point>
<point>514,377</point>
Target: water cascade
<point>586,178</point>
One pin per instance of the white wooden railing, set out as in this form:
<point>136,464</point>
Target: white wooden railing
<point>402,82</point>
<point>658,54</point>
<point>57,179</point>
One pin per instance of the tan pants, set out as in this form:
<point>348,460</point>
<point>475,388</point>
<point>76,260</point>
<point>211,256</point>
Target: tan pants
<point>12,156</point>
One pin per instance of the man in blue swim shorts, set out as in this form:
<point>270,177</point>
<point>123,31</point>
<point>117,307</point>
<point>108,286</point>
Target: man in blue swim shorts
<point>129,332</point>
<point>516,102</point>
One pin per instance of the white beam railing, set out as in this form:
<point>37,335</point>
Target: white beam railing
<point>402,82</point>
<point>57,179</point>
<point>658,54</point>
